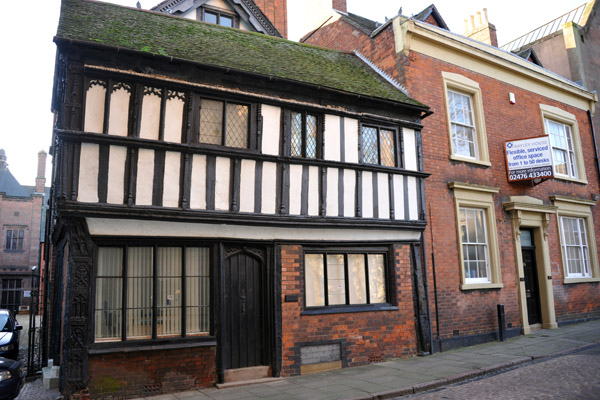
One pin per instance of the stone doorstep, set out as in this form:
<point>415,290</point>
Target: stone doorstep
<point>246,383</point>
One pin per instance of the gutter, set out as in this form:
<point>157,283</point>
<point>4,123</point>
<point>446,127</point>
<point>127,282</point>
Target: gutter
<point>71,42</point>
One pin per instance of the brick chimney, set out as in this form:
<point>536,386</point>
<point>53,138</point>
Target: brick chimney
<point>479,28</point>
<point>40,180</point>
<point>276,11</point>
<point>3,163</point>
<point>339,5</point>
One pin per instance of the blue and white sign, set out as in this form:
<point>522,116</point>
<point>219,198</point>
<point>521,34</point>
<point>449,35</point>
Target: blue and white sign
<point>529,158</point>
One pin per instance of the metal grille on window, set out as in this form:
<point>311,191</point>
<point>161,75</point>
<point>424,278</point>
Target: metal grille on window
<point>169,296</point>
<point>197,290</point>
<point>109,302</point>
<point>237,126</point>
<point>311,136</point>
<point>369,145</point>
<point>139,292</point>
<point>211,122</point>
<point>387,147</point>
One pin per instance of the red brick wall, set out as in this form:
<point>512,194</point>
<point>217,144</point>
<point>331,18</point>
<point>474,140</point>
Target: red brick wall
<point>368,335</point>
<point>146,373</point>
<point>474,311</point>
<point>276,11</point>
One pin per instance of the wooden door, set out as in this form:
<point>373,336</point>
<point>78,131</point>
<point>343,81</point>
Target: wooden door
<point>532,290</point>
<point>244,307</point>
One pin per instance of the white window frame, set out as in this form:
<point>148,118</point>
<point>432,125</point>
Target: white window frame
<point>575,163</point>
<point>461,85</point>
<point>580,209</point>
<point>581,246</point>
<point>466,245</point>
<point>478,197</point>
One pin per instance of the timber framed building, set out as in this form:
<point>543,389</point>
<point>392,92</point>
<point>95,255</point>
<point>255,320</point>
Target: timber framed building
<point>225,200</point>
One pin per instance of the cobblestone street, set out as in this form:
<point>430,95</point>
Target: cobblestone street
<point>575,376</point>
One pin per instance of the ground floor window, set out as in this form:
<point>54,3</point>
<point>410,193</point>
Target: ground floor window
<point>152,292</point>
<point>575,247</point>
<point>344,278</point>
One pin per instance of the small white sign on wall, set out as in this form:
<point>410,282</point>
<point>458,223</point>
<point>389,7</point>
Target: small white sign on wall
<point>529,158</point>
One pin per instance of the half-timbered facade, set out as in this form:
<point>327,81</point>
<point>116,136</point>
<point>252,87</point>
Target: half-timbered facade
<point>226,201</point>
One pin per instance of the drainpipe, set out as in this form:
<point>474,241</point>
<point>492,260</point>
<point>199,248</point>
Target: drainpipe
<point>589,114</point>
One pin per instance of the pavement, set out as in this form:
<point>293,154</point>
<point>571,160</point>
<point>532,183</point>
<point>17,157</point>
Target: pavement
<point>400,377</point>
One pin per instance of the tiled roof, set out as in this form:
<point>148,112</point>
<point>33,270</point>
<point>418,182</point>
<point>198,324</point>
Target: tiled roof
<point>9,185</point>
<point>162,35</point>
<point>364,24</point>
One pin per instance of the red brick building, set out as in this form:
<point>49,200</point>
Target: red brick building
<point>21,234</point>
<point>530,245</point>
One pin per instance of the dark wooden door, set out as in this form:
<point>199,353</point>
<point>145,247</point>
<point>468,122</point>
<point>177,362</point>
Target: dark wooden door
<point>244,307</point>
<point>532,289</point>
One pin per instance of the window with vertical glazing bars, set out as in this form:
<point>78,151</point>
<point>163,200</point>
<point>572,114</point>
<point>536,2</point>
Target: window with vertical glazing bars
<point>14,239</point>
<point>462,122</point>
<point>378,145</point>
<point>475,248</point>
<point>563,152</point>
<point>152,292</point>
<point>575,247</point>
<point>303,134</point>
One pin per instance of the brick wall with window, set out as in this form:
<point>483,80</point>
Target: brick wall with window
<point>337,306</point>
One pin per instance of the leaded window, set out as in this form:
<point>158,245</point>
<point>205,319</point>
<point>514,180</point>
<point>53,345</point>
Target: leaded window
<point>378,145</point>
<point>563,152</point>
<point>342,278</point>
<point>223,123</point>
<point>462,123</point>
<point>151,292</point>
<point>303,134</point>
<point>217,17</point>
<point>575,247</point>
<point>475,248</point>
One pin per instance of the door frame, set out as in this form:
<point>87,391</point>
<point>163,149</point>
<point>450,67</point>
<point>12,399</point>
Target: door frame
<point>270,300</point>
<point>529,212</point>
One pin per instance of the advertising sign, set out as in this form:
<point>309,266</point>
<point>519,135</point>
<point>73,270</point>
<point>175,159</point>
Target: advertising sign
<point>529,158</point>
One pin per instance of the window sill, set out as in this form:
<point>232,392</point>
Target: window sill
<point>568,281</point>
<point>480,286</point>
<point>570,179</point>
<point>146,345</point>
<point>470,160</point>
<point>348,309</point>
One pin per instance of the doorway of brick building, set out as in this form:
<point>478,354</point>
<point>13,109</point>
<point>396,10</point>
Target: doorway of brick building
<point>530,272</point>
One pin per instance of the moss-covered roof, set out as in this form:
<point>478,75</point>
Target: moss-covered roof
<point>198,42</point>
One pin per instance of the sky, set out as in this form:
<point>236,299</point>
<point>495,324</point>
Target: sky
<point>28,58</point>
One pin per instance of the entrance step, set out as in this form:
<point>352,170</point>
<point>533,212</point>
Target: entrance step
<point>247,374</point>
<point>248,382</point>
<point>50,376</point>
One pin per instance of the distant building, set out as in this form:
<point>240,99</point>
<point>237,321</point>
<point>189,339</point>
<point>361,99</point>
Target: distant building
<point>21,231</point>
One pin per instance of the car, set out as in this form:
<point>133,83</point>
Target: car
<point>12,378</point>
<point>9,335</point>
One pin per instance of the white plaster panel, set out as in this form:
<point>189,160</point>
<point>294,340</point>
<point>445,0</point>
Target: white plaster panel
<point>145,177</point>
<point>150,116</point>
<point>398,197</point>
<point>269,188</point>
<point>383,197</point>
<point>295,189</point>
<point>198,185</point>
<point>271,129</point>
<point>367,194</point>
<point>171,179</point>
<point>115,193</point>
<point>351,139</point>
<point>88,173</point>
<point>413,204</point>
<point>313,190</point>
<point>145,228</point>
<point>332,138</point>
<point>332,209</point>
<point>349,193</point>
<point>247,179</point>
<point>94,109</point>
<point>222,183</point>
<point>119,112</point>
<point>173,120</point>
<point>410,149</point>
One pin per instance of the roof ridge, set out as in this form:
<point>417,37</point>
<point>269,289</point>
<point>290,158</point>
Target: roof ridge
<point>383,74</point>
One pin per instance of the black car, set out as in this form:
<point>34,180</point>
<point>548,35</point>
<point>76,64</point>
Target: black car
<point>9,335</point>
<point>12,378</point>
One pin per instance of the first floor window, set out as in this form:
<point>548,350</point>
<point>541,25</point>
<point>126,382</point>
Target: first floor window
<point>14,239</point>
<point>224,123</point>
<point>342,278</point>
<point>575,247</point>
<point>152,292</point>
<point>303,134</point>
<point>475,251</point>
<point>378,145</point>
<point>563,150</point>
<point>462,123</point>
